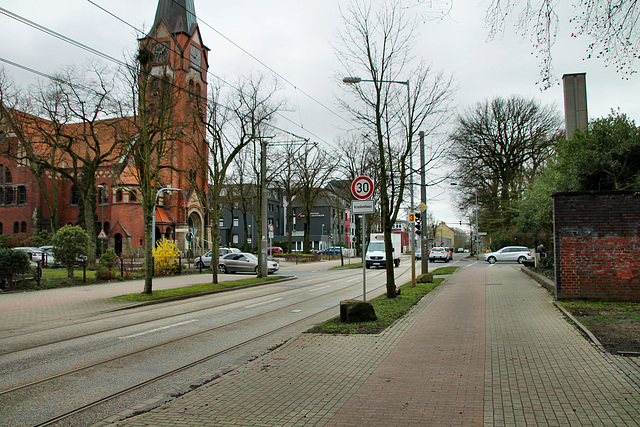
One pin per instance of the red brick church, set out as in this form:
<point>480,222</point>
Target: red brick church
<point>26,192</point>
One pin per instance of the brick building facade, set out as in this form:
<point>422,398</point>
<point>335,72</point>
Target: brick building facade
<point>28,193</point>
<point>597,245</point>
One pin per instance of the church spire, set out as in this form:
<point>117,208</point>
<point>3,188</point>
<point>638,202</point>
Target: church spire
<point>178,15</point>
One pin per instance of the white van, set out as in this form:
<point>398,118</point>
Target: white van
<point>377,257</point>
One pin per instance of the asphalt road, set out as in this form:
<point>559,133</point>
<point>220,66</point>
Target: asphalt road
<point>55,364</point>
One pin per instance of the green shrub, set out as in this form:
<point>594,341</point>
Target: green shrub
<point>69,243</point>
<point>12,262</point>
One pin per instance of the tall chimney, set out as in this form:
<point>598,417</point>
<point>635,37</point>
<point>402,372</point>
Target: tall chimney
<point>575,102</point>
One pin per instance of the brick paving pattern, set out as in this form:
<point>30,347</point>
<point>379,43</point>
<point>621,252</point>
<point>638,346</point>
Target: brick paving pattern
<point>485,348</point>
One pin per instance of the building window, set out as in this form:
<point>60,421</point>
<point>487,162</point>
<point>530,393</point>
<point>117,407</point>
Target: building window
<point>16,227</point>
<point>22,195</point>
<point>0,228</point>
<point>23,227</point>
<point>236,221</point>
<point>103,197</point>
<point>7,176</point>
<point>8,195</point>
<point>1,174</point>
<point>234,238</point>
<point>107,227</point>
<point>75,195</point>
<point>221,222</point>
<point>1,196</point>
<point>132,197</point>
<point>119,196</point>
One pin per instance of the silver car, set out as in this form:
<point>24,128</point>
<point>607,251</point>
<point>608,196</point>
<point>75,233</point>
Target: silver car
<point>204,261</point>
<point>243,262</point>
<point>509,253</point>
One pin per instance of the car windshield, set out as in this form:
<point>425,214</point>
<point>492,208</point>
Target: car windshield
<point>251,256</point>
<point>376,246</point>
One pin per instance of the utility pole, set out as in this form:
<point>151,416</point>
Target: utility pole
<point>424,242</point>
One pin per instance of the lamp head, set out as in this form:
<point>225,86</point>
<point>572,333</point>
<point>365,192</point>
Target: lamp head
<point>351,80</point>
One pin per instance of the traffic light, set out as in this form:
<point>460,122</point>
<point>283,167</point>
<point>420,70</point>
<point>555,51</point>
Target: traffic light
<point>418,224</point>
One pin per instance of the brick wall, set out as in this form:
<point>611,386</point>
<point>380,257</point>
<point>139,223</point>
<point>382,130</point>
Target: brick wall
<point>597,245</point>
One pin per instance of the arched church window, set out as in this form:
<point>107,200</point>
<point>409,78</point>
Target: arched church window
<point>23,227</point>
<point>119,196</point>
<point>7,176</point>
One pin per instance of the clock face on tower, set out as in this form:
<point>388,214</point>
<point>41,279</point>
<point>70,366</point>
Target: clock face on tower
<point>196,57</point>
<point>160,53</point>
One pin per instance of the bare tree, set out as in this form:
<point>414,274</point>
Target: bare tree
<point>242,122</point>
<point>611,27</point>
<point>378,43</point>
<point>70,126</point>
<point>315,168</point>
<point>498,147</point>
<point>152,137</point>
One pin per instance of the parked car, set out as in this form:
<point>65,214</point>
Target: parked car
<point>274,250</point>
<point>509,253</point>
<point>331,251</point>
<point>204,261</point>
<point>418,254</point>
<point>243,262</point>
<point>439,253</point>
<point>225,251</point>
<point>49,259</point>
<point>450,251</point>
<point>35,254</point>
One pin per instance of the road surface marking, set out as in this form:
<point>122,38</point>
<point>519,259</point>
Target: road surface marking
<point>158,329</point>
<point>263,303</point>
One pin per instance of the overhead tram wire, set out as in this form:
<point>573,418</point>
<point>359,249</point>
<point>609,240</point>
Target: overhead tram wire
<point>261,63</point>
<point>223,80</point>
<point>103,55</point>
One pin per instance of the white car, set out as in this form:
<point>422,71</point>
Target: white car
<point>35,254</point>
<point>509,253</point>
<point>204,261</point>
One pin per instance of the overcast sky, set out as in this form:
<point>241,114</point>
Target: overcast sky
<point>296,38</point>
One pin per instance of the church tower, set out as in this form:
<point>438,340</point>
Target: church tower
<point>180,57</point>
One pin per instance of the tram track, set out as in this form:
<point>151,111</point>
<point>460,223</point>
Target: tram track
<point>24,388</point>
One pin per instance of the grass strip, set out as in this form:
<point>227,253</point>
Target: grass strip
<point>195,289</point>
<point>387,310</point>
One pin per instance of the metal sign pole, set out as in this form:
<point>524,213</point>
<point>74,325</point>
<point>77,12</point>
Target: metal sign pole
<point>364,262</point>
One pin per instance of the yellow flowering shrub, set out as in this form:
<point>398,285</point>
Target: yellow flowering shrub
<point>165,257</point>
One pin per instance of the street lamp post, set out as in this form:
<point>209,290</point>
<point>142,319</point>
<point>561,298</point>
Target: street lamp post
<point>356,80</point>
<point>155,201</point>
<point>101,187</point>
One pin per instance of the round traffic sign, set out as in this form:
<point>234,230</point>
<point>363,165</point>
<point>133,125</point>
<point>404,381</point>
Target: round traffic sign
<point>362,187</point>
<point>271,228</point>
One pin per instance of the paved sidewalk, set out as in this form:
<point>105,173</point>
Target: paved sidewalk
<point>487,347</point>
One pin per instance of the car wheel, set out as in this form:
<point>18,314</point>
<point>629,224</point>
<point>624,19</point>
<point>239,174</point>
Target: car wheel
<point>521,260</point>
<point>199,265</point>
<point>492,260</point>
<point>256,270</point>
<point>223,269</point>
<point>397,263</point>
<point>367,266</point>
